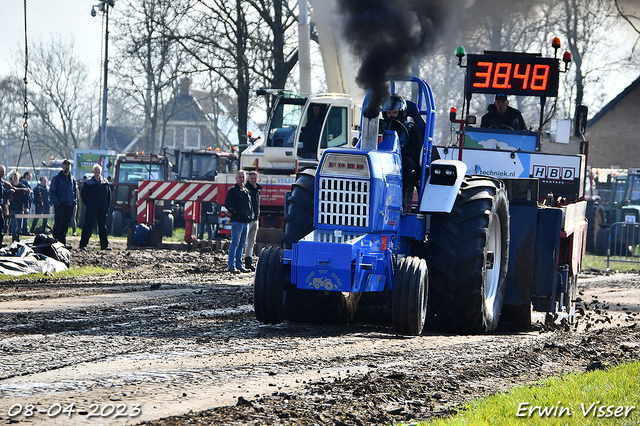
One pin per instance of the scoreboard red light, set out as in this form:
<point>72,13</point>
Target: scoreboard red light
<point>512,75</point>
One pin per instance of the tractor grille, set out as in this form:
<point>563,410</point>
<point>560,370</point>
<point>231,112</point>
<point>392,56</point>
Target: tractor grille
<point>344,202</point>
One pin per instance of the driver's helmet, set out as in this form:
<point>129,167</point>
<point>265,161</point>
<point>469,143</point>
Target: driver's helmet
<point>395,102</point>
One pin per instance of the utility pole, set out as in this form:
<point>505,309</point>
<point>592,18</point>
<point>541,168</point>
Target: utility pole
<point>103,6</point>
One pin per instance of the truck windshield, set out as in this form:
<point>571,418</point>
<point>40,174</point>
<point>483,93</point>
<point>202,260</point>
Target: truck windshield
<point>284,122</point>
<point>204,167</point>
<point>633,193</point>
<point>133,172</point>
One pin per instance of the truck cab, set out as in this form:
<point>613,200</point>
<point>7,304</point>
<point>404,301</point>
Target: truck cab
<point>129,169</point>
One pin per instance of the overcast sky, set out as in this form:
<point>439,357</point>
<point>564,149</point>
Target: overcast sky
<point>71,19</point>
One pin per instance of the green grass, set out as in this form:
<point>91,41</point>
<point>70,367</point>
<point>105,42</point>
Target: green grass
<point>590,261</point>
<point>575,393</point>
<point>73,271</point>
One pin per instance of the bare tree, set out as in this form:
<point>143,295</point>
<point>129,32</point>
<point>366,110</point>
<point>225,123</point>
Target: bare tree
<point>11,118</point>
<point>63,109</point>
<point>150,63</point>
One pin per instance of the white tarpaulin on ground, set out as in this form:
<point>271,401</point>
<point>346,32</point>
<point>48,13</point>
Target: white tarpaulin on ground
<point>20,258</point>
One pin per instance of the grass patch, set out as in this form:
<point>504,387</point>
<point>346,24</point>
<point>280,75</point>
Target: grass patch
<point>73,271</point>
<point>595,398</point>
<point>591,261</point>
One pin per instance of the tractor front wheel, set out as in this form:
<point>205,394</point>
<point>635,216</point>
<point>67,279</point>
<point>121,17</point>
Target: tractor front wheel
<point>269,287</point>
<point>410,296</point>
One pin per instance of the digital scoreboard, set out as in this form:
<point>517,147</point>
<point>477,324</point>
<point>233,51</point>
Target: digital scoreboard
<point>523,75</point>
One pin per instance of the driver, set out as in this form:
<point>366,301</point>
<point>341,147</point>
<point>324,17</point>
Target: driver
<point>500,114</point>
<point>394,111</point>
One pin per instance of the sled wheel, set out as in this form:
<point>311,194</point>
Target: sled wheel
<point>468,256</point>
<point>269,287</point>
<point>410,296</point>
<point>167,225</point>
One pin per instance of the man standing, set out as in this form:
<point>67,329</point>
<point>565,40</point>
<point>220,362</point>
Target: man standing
<point>254,189</point>
<point>42,203</point>
<point>25,181</point>
<point>96,197</point>
<point>5,194</point>
<point>64,196</point>
<point>238,203</point>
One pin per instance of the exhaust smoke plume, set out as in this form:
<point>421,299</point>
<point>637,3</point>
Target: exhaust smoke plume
<point>390,35</point>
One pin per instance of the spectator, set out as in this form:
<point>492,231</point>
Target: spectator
<point>25,181</point>
<point>18,203</point>
<point>42,203</point>
<point>500,114</point>
<point>5,195</point>
<point>238,203</point>
<point>254,189</point>
<point>96,197</point>
<point>64,197</point>
<point>206,208</point>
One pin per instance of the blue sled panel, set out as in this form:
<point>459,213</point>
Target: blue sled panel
<point>349,263</point>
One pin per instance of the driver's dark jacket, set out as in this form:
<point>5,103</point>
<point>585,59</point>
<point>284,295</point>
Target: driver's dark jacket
<point>511,117</point>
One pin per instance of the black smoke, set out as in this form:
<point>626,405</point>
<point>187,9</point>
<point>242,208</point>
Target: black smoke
<point>389,36</point>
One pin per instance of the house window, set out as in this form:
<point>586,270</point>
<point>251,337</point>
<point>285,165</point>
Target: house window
<point>170,137</point>
<point>192,137</point>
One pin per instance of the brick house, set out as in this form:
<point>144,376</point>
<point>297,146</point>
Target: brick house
<point>613,132</point>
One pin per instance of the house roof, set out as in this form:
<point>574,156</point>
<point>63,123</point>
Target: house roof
<point>118,137</point>
<point>612,105</point>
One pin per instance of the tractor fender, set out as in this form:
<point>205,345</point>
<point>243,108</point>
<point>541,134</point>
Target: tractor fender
<point>441,189</point>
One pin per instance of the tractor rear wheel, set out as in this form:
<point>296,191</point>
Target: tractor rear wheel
<point>269,286</point>
<point>410,289</point>
<point>298,216</point>
<point>312,306</point>
<point>468,256</point>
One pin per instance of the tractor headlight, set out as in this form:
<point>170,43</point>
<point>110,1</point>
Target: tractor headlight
<point>443,174</point>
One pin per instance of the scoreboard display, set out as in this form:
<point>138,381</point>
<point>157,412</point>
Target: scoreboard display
<point>523,75</point>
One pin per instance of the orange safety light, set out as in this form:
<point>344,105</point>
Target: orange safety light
<point>52,157</point>
<point>452,113</point>
<point>217,149</point>
<point>249,133</point>
<point>142,152</point>
<point>209,149</point>
<point>556,43</point>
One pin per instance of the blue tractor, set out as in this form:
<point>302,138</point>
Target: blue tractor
<point>496,230</point>
<point>346,235</point>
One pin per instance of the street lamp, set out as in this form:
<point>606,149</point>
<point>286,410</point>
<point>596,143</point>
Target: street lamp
<point>103,6</point>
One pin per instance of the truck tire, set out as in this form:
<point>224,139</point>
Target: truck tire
<point>298,216</point>
<point>269,287</point>
<point>595,219</point>
<point>468,256</point>
<point>410,289</point>
<point>117,226</point>
<point>602,241</point>
<point>167,225</point>
<point>302,305</point>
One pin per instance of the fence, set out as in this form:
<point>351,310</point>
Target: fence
<point>624,238</point>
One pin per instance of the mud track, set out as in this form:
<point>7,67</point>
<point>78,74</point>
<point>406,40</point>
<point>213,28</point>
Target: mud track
<point>173,336</point>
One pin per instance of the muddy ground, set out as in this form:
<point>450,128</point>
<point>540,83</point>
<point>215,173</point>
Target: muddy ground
<point>171,339</point>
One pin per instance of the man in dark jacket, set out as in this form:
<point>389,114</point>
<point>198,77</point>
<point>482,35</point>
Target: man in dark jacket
<point>254,189</point>
<point>64,196</point>
<point>42,203</point>
<point>501,114</point>
<point>25,182</point>
<point>238,203</point>
<point>5,195</point>
<point>96,197</point>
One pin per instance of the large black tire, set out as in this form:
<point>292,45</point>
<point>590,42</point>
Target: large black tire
<point>167,225</point>
<point>410,289</point>
<point>298,217</point>
<point>602,241</point>
<point>595,219</point>
<point>269,286</point>
<point>117,225</point>
<point>468,256</point>
<point>311,306</point>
